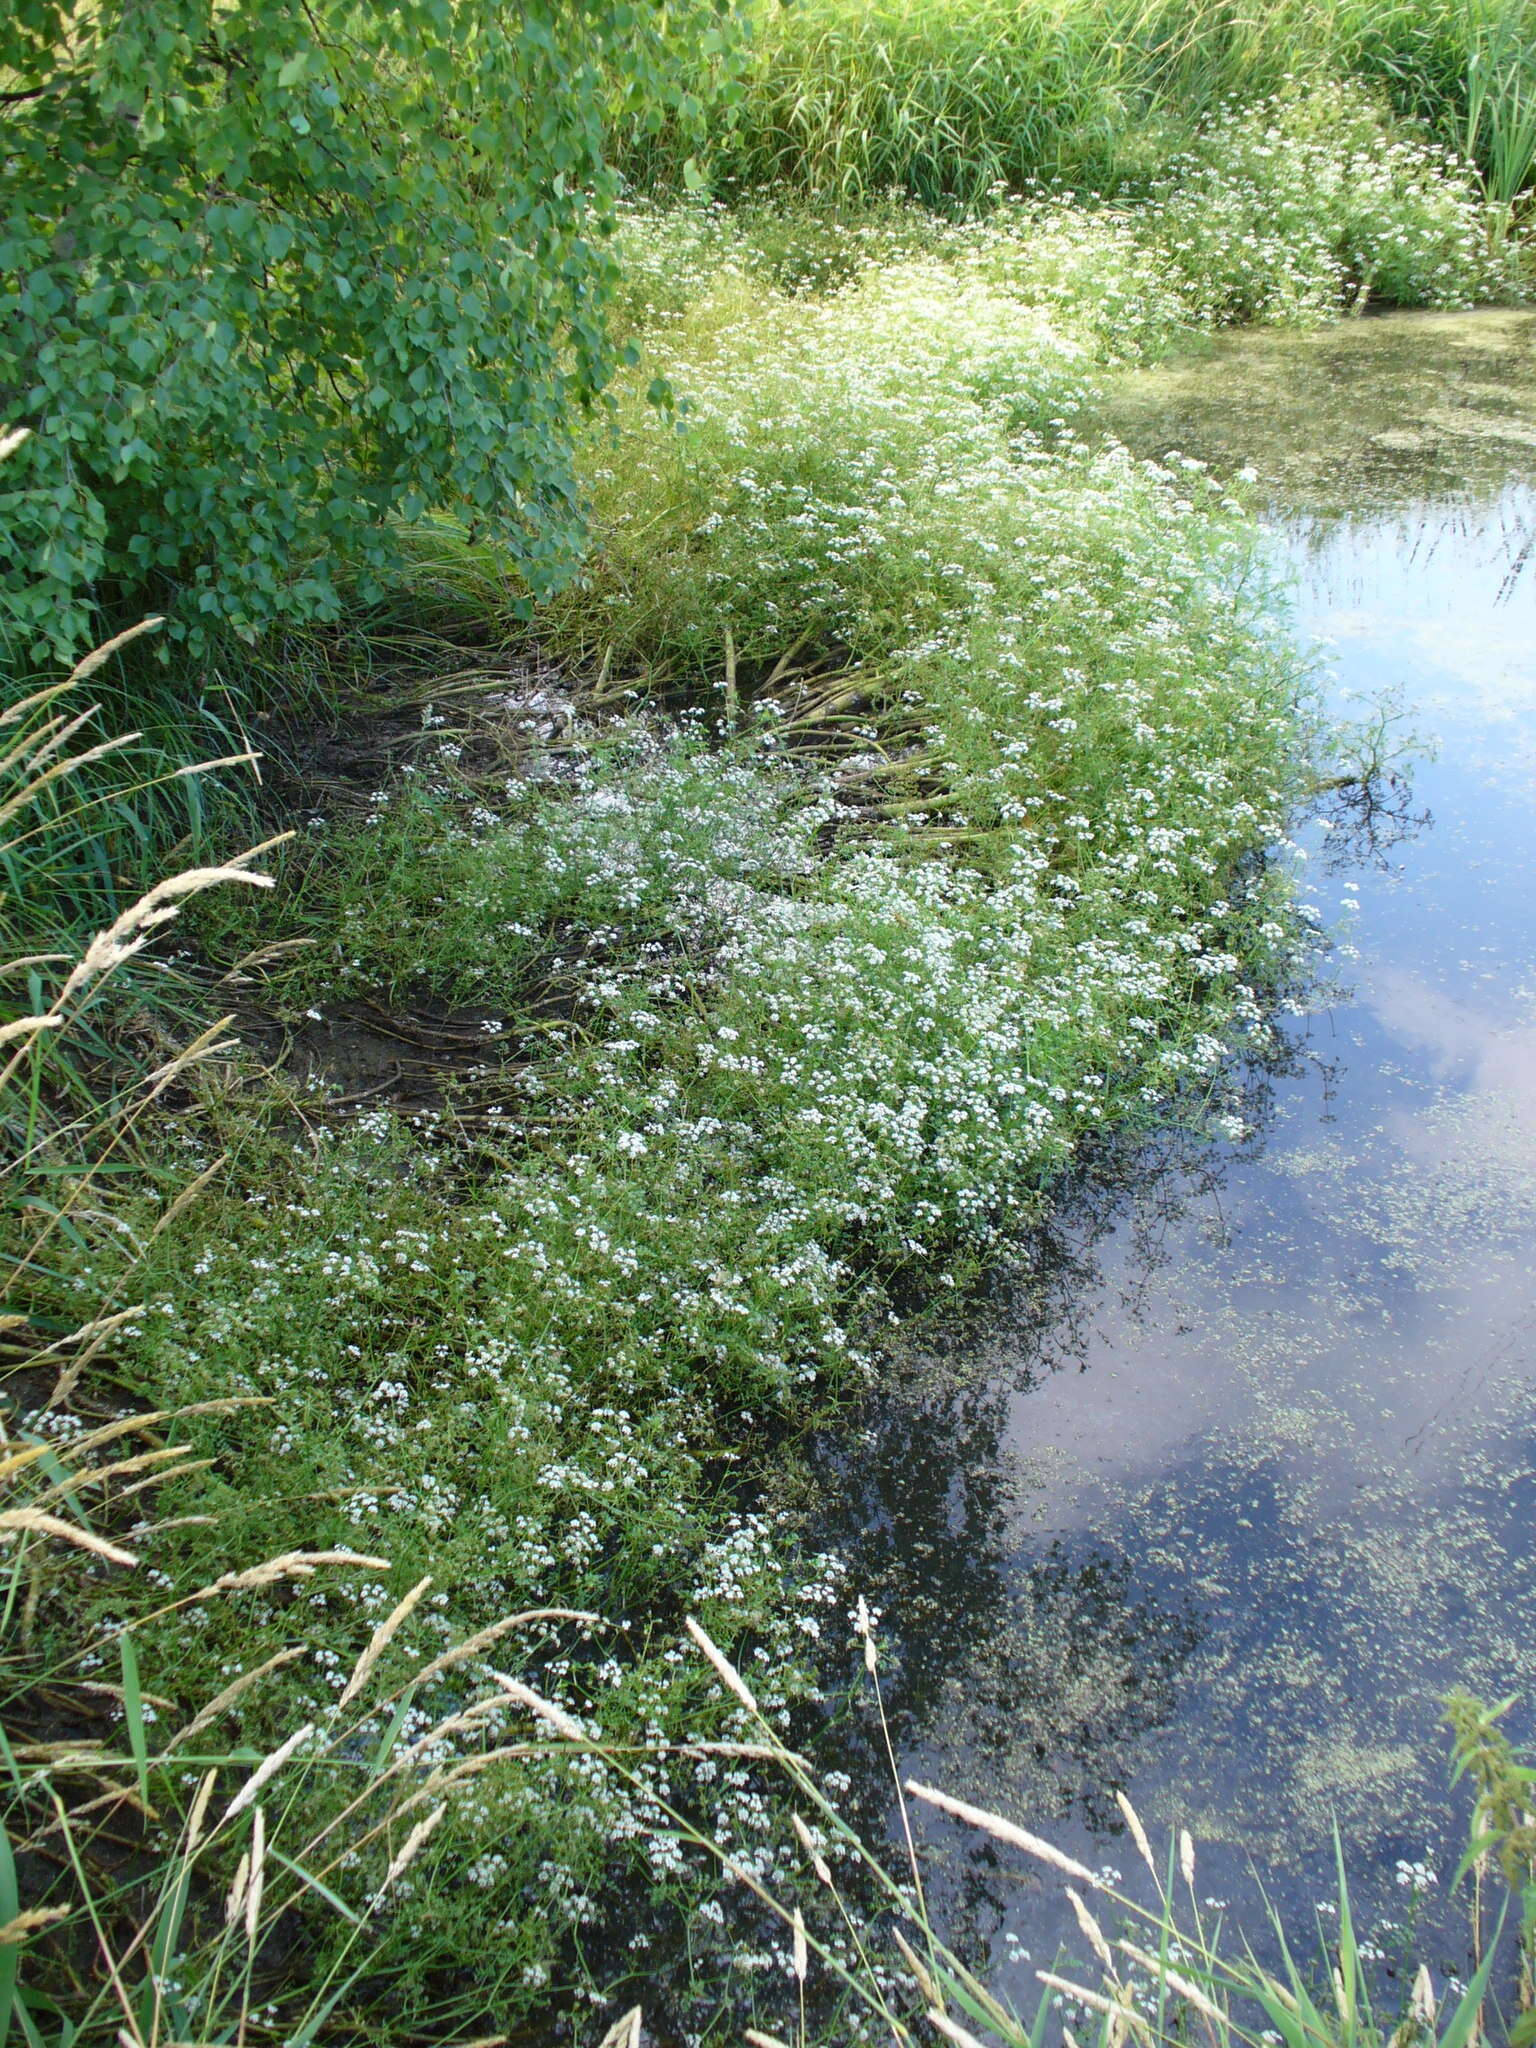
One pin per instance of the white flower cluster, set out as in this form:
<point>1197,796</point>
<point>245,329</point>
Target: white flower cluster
<point>1287,211</point>
<point>766,1020</point>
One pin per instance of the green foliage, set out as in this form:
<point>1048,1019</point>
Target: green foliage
<point>343,1281</point>
<point>843,472</point>
<point>764,1014</point>
<point>1502,1833</point>
<point>1500,124</point>
<point>768,1005</point>
<point>1298,208</point>
<point>947,99</point>
<point>274,272</point>
<point>442,1401</point>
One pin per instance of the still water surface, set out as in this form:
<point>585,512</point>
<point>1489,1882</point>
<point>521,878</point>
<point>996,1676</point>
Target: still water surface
<point>1222,1496</point>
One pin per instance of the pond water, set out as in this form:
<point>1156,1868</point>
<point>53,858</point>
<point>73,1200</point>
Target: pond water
<point>1221,1494</point>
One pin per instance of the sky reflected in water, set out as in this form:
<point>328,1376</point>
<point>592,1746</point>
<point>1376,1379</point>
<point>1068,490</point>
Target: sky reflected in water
<point>1217,1502</point>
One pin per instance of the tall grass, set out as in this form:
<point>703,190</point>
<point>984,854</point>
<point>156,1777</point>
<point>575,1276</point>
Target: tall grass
<point>67,797</point>
<point>1499,132</point>
<point>155,1878</point>
<point>83,815</point>
<point>124,767</point>
<point>947,99</point>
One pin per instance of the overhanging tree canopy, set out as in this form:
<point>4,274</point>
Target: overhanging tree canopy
<point>274,270</point>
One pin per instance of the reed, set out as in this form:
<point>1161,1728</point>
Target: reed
<point>948,99</point>
<point>1499,128</point>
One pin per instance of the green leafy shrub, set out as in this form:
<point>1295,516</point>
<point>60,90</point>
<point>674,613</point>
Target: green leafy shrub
<point>274,272</point>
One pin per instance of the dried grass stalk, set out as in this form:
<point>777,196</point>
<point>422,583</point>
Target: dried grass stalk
<point>546,1710</point>
<point>67,1532</point>
<point>1005,1831</point>
<point>485,1637</point>
<point>266,1771</point>
<point>1092,1931</point>
<point>379,1641</point>
<point>1181,1985</point>
<point>625,2031</point>
<point>412,1847</point>
<point>1138,1834</point>
<point>729,1676</point>
<point>1095,1999</point>
<point>293,1564</point>
<point>952,2029</point>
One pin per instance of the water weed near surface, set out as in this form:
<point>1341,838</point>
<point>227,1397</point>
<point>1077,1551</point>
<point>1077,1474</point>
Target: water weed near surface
<point>919,813</point>
<point>858,1936</point>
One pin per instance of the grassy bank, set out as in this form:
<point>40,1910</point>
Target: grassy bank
<point>897,801</point>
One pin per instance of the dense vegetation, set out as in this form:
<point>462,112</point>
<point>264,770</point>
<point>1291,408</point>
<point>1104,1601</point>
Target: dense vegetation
<point>950,99</point>
<point>268,282</point>
<point>799,805</point>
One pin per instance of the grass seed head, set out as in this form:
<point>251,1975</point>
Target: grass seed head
<point>729,1676</point>
<point>1006,1831</point>
<point>1138,1834</point>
